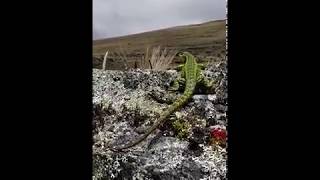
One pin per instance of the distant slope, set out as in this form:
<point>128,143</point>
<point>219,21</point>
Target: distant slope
<point>206,39</point>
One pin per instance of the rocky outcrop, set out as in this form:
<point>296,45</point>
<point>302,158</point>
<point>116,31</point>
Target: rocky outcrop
<point>125,103</point>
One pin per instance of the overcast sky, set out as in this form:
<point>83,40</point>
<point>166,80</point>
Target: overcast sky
<point>113,18</point>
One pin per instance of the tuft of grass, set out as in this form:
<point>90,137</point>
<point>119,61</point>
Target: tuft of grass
<point>145,60</point>
<point>158,59</point>
<point>161,60</point>
<point>123,54</point>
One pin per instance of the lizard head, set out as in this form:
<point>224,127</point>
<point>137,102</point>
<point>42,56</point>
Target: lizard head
<point>184,55</point>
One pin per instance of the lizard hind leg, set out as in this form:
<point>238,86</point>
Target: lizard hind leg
<point>201,66</point>
<point>206,83</point>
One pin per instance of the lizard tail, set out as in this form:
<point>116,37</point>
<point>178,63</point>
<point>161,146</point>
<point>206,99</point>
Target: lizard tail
<point>172,108</point>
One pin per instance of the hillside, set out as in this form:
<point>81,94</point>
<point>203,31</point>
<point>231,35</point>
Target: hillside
<point>206,40</point>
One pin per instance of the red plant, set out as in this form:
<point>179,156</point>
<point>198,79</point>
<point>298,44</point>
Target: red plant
<point>219,135</point>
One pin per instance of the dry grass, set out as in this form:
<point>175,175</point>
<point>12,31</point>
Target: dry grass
<point>158,59</point>
<point>123,55</point>
<point>161,59</point>
<point>203,36</point>
<point>104,61</point>
<point>145,60</point>
<point>204,40</point>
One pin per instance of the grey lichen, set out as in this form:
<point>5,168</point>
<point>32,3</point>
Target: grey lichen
<point>126,102</point>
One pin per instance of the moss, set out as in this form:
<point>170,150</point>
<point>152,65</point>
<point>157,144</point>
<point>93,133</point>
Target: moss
<point>182,128</point>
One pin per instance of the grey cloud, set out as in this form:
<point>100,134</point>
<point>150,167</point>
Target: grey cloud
<point>121,17</point>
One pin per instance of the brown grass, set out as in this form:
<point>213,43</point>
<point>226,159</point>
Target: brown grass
<point>161,59</point>
<point>145,60</point>
<point>123,56</point>
<point>157,59</point>
<point>206,40</point>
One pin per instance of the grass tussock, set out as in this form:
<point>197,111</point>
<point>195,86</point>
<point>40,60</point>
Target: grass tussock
<point>157,59</point>
<point>162,59</point>
<point>153,58</point>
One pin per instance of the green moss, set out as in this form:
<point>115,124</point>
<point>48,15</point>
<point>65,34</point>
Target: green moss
<point>182,128</point>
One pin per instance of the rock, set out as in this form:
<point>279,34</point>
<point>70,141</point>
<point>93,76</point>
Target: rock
<point>212,97</point>
<point>124,102</point>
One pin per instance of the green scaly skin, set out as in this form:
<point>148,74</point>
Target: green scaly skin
<point>190,76</point>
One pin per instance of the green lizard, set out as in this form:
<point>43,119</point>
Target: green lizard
<point>190,76</point>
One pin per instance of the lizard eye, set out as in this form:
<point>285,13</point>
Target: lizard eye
<point>182,54</point>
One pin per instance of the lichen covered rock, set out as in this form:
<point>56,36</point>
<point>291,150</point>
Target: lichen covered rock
<point>125,103</point>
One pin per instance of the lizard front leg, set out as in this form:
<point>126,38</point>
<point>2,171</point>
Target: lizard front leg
<point>177,84</point>
<point>179,67</point>
<point>201,66</point>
